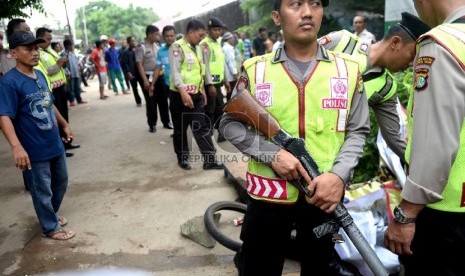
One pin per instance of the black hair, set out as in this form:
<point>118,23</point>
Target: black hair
<point>261,29</point>
<point>67,42</point>
<point>151,29</point>
<point>128,39</point>
<point>54,44</point>
<point>42,31</point>
<point>195,25</point>
<point>277,5</point>
<point>168,28</point>
<point>98,43</point>
<point>397,30</point>
<point>13,25</point>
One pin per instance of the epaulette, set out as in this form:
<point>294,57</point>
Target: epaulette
<point>251,61</point>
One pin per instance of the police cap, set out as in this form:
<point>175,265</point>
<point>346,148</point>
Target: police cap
<point>413,25</point>
<point>214,22</point>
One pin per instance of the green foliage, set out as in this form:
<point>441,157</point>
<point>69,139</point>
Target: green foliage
<point>15,8</point>
<point>103,17</point>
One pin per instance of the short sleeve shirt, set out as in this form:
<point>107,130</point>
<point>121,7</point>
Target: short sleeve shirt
<point>98,57</point>
<point>29,104</point>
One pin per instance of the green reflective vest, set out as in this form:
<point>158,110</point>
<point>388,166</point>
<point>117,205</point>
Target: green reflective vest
<point>216,61</point>
<point>48,58</point>
<point>316,112</point>
<point>379,86</point>
<point>192,69</point>
<point>452,38</point>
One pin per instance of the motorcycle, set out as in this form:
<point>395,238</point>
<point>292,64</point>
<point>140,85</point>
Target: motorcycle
<point>88,67</point>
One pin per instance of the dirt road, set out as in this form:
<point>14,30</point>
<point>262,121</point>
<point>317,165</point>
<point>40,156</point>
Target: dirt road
<point>126,200</point>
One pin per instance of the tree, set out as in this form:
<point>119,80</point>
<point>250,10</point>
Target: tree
<point>103,17</point>
<point>338,14</point>
<point>15,8</point>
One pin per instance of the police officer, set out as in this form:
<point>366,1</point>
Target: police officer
<point>429,225</point>
<point>214,59</point>
<point>318,96</point>
<point>146,60</point>
<point>377,61</point>
<point>53,67</point>
<point>187,97</point>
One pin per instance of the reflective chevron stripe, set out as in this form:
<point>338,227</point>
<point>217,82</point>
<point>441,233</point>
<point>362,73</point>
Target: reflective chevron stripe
<point>275,188</point>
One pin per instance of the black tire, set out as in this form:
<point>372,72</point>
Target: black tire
<point>212,228</point>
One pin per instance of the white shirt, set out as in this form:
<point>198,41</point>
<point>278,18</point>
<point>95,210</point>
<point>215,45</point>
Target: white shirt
<point>366,35</point>
<point>230,61</point>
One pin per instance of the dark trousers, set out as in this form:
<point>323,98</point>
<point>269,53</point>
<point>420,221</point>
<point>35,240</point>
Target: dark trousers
<point>61,103</point>
<point>74,89</point>
<point>184,117</point>
<point>135,90</point>
<point>266,233</point>
<point>151,104</point>
<point>438,245</point>
<point>214,106</point>
<point>160,93</point>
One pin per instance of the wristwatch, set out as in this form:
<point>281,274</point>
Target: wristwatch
<point>400,216</point>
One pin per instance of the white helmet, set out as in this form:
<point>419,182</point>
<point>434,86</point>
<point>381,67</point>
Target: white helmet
<point>103,37</point>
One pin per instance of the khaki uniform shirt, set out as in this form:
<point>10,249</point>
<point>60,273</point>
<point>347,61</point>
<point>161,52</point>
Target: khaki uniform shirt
<point>146,54</point>
<point>438,114</point>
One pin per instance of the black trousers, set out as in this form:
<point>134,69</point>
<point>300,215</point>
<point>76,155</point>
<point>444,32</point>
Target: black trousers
<point>61,103</point>
<point>158,100</point>
<point>184,117</point>
<point>438,245</point>
<point>266,239</point>
<point>135,90</point>
<point>214,106</point>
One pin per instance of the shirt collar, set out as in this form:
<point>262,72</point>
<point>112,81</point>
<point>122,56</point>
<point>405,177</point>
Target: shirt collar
<point>455,15</point>
<point>281,56</point>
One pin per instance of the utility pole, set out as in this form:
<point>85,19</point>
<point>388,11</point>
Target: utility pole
<point>67,19</point>
<point>85,26</point>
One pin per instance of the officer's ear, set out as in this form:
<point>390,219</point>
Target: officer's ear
<point>395,43</point>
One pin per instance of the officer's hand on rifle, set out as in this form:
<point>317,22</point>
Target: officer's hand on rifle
<point>288,167</point>
<point>327,190</point>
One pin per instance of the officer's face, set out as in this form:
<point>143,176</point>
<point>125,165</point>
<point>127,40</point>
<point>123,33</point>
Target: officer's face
<point>402,57</point>
<point>196,36</point>
<point>215,33</point>
<point>300,20</point>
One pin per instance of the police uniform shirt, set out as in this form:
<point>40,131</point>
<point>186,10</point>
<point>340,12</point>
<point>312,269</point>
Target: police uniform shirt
<point>260,148</point>
<point>438,113</point>
<point>176,57</point>
<point>366,35</point>
<point>146,54</point>
<point>7,61</point>
<point>385,112</point>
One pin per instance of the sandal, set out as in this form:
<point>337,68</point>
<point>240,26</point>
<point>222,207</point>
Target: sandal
<point>62,221</point>
<point>60,235</point>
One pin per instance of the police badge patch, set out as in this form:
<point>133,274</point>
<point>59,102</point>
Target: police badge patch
<point>421,79</point>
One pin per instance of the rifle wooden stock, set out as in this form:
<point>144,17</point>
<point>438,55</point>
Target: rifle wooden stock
<point>244,107</point>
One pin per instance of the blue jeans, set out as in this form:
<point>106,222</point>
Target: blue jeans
<point>47,182</point>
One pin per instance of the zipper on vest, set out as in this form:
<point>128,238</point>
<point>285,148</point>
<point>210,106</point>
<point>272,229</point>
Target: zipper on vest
<point>301,111</point>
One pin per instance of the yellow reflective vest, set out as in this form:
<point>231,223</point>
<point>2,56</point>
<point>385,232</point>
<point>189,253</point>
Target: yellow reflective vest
<point>450,36</point>
<point>48,58</point>
<point>316,112</point>
<point>379,86</point>
<point>217,59</point>
<point>192,68</point>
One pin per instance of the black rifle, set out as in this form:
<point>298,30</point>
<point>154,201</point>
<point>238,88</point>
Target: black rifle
<point>245,108</point>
